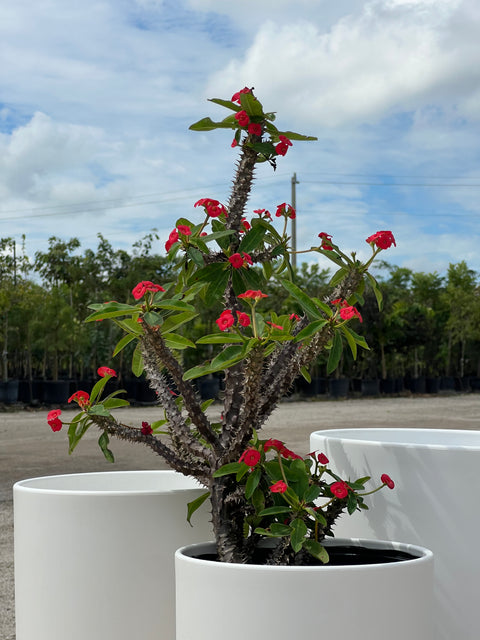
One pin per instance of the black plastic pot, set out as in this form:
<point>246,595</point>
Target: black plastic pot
<point>371,387</point>
<point>338,387</point>
<point>9,391</point>
<point>55,391</point>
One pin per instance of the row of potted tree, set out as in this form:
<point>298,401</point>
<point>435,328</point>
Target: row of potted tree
<point>426,338</point>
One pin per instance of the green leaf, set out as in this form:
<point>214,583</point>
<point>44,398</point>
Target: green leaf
<point>114,403</point>
<point>272,511</point>
<point>376,290</point>
<point>252,483</point>
<point>351,503</point>
<point>338,277</point>
<point>310,330</point>
<point>98,387</point>
<point>99,410</point>
<point>306,374</point>
<point>312,493</point>
<point>226,103</point>
<point>207,124</point>
<point>351,341</point>
<point>216,276</point>
<point>291,135</point>
<point>137,362</point>
<point>335,353</point>
<point>315,549</point>
<point>227,469</point>
<point>77,429</point>
<point>279,529</point>
<point>175,305</point>
<point>110,310</point>
<point>253,238</point>
<point>360,340</point>
<point>196,255</point>
<point>176,341</point>
<point>302,298</point>
<point>220,338</point>
<point>177,320</point>
<point>103,442</point>
<point>195,504</point>
<point>152,319</point>
<point>121,344</point>
<point>298,534</point>
<point>251,105</point>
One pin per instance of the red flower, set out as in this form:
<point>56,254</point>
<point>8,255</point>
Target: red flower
<point>286,210</point>
<point>255,295</point>
<point>295,317</point>
<point>53,419</point>
<point>246,225</point>
<point>242,118</point>
<point>243,319</point>
<point>142,287</point>
<point>273,444</point>
<point>184,229</point>
<point>339,489</point>
<point>347,313</point>
<point>213,208</point>
<point>255,129</point>
<point>278,487</point>
<point>326,241</point>
<point>382,239</point>
<point>236,96</point>
<point>275,326</point>
<point>247,257</point>
<point>82,398</point>
<point>106,371</point>
<point>282,147</point>
<point>234,143</point>
<point>322,458</point>
<point>263,212</point>
<point>250,457</point>
<point>287,453</point>
<point>146,429</point>
<point>387,480</point>
<point>172,239</point>
<point>225,320</point>
<point>236,261</point>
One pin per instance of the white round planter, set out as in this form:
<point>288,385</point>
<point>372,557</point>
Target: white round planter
<point>434,503</point>
<point>94,554</point>
<point>218,600</point>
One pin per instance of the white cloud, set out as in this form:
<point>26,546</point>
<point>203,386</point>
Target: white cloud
<point>391,57</point>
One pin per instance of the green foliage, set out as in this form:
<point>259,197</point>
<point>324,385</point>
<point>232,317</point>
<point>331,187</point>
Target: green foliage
<point>294,498</point>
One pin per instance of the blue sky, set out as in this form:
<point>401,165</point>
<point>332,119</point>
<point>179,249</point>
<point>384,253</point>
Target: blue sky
<point>96,99</point>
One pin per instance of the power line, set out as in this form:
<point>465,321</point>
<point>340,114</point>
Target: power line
<point>100,205</point>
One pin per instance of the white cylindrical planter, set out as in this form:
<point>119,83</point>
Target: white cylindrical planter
<point>434,503</point>
<point>218,600</point>
<point>94,554</point>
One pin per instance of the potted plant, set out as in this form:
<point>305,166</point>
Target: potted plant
<point>229,259</point>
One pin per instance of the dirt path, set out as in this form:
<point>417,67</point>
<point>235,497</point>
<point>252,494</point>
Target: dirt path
<point>28,449</point>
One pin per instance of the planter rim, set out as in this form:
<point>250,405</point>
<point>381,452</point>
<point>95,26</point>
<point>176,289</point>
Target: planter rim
<point>102,483</point>
<point>423,438</point>
<point>421,555</point>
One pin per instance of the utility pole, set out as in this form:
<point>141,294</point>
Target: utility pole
<point>294,222</point>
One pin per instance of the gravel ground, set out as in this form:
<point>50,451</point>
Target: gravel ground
<point>29,449</point>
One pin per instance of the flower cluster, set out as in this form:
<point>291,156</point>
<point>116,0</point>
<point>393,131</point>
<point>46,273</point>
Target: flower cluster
<point>382,239</point>
<point>213,208</point>
<point>294,497</point>
<point>142,287</point>
<point>347,311</point>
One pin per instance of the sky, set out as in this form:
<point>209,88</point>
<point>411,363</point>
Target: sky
<point>96,98</point>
